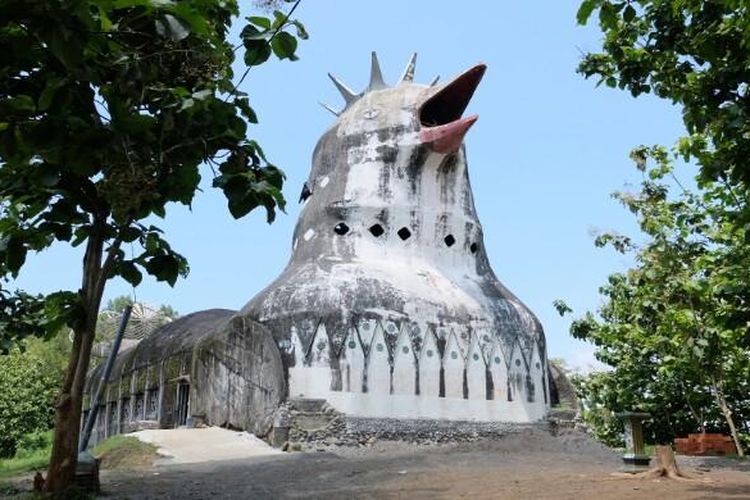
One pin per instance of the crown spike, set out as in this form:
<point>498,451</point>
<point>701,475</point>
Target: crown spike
<point>408,75</point>
<point>329,108</point>
<point>434,81</point>
<point>348,94</point>
<point>376,76</point>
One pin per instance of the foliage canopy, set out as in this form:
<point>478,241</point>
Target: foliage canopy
<point>693,53</point>
<point>676,326</point>
<point>109,109</point>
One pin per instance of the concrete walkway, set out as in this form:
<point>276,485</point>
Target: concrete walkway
<point>187,446</point>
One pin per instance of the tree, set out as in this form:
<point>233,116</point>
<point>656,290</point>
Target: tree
<point>108,111</point>
<point>694,53</point>
<point>675,326</point>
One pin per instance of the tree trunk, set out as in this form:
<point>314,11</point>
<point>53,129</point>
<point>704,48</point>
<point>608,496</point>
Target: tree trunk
<point>64,455</point>
<point>727,412</point>
<point>667,465</point>
<point>68,417</point>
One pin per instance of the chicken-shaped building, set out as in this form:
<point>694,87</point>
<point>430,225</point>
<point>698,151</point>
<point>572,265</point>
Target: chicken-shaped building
<point>389,306</point>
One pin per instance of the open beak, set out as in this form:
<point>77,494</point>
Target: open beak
<point>443,129</point>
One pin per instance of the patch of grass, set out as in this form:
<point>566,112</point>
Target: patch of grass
<point>124,452</point>
<point>32,454</point>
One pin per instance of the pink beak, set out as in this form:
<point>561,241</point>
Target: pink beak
<point>447,138</point>
<point>443,129</point>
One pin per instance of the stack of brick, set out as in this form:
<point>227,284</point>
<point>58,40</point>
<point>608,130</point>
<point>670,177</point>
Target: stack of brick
<point>705,445</point>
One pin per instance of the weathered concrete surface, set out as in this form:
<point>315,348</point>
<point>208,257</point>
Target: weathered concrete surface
<point>207,367</point>
<point>186,446</point>
<point>238,379</point>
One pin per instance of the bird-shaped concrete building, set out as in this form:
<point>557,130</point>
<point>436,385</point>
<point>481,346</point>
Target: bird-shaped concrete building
<point>388,308</point>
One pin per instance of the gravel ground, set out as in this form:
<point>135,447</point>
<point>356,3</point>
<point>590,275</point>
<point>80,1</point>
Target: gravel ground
<point>528,464</point>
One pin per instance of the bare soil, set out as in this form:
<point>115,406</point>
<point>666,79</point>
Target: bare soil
<point>529,465</point>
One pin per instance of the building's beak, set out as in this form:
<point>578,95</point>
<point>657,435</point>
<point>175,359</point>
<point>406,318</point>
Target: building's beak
<point>443,129</point>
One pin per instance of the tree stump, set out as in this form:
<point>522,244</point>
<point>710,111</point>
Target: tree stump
<point>666,466</point>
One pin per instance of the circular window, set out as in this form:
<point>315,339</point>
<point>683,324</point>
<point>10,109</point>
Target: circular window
<point>429,353</point>
<point>416,330</point>
<point>454,355</point>
<point>538,365</point>
<point>518,362</point>
<point>497,360</point>
<point>352,344</point>
<point>321,345</point>
<point>379,347</point>
<point>391,328</point>
<point>476,357</point>
<point>405,349</point>
<point>365,326</point>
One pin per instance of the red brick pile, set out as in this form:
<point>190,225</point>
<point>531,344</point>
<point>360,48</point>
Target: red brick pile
<point>705,444</point>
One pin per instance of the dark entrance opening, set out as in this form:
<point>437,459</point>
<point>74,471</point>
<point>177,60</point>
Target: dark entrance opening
<point>183,400</point>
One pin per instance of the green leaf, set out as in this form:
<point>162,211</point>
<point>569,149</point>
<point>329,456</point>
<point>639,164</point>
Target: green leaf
<point>171,27</point>
<point>130,273</point>
<point>23,103</point>
<point>130,234</point>
<point>628,14</point>
<point>48,94</point>
<point>263,22</point>
<point>164,268</point>
<point>585,10</point>
<point>15,255</point>
<point>244,105</point>
<point>301,31</point>
<point>252,34</point>
<point>256,52</point>
<point>284,45</point>
<point>608,15</point>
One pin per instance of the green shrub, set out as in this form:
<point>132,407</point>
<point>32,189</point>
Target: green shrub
<point>27,390</point>
<point>33,442</point>
<point>32,453</point>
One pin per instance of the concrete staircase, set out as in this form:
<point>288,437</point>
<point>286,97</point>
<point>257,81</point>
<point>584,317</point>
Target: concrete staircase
<point>312,419</point>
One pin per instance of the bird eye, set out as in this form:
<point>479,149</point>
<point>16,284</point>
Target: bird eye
<point>370,113</point>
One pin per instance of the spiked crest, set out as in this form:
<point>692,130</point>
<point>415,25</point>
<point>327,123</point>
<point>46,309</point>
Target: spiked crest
<point>376,82</point>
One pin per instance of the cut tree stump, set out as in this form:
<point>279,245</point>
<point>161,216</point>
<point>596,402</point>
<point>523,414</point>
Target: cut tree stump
<point>666,466</point>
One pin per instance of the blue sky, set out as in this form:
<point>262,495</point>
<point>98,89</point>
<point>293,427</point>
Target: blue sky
<point>546,153</point>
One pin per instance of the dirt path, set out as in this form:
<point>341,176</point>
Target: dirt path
<point>184,446</point>
<point>529,466</point>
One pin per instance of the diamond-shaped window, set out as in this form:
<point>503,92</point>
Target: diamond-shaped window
<point>449,240</point>
<point>377,230</point>
<point>404,233</point>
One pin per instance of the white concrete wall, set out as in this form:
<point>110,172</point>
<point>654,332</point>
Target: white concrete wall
<point>390,387</point>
